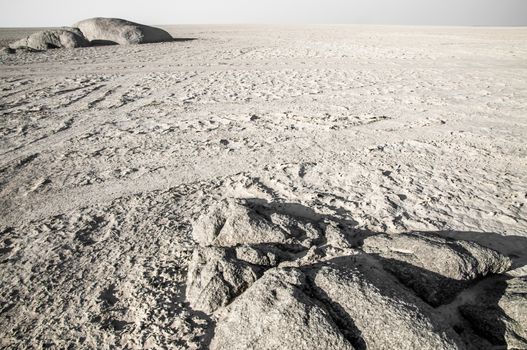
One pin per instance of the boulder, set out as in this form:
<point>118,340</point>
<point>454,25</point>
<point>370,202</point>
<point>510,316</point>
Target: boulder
<point>277,313</point>
<point>233,222</point>
<point>216,276</point>
<point>374,310</point>
<point>119,31</point>
<point>52,39</point>
<point>434,267</point>
<point>499,312</point>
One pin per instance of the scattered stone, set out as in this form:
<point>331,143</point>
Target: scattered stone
<point>435,268</point>
<point>277,313</point>
<point>119,31</point>
<point>498,312</point>
<point>374,310</point>
<point>52,39</point>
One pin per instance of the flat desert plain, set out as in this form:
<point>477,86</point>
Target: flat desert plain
<point>110,155</point>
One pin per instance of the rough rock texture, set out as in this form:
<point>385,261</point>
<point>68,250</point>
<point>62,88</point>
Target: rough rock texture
<point>277,313</point>
<point>52,39</point>
<point>498,312</point>
<point>267,256</point>
<point>232,222</point>
<point>436,268</point>
<point>120,31</point>
<point>353,278</point>
<point>215,277</point>
<point>375,310</point>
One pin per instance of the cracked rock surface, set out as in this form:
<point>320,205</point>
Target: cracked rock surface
<point>215,276</point>
<point>281,279</point>
<point>278,313</point>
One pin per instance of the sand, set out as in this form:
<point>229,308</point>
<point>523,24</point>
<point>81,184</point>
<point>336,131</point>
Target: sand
<point>109,154</point>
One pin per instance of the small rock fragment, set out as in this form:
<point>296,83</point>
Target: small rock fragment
<point>7,51</point>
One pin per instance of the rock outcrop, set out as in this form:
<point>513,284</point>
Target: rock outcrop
<point>52,39</point>
<point>499,312</point>
<point>216,276</point>
<point>435,268</point>
<point>277,313</point>
<point>233,222</point>
<point>101,30</point>
<point>375,311</point>
<point>275,279</point>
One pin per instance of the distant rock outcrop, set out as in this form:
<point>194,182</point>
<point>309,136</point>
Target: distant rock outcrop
<point>51,39</point>
<point>119,31</point>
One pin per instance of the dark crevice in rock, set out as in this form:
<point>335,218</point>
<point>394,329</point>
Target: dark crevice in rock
<point>339,316</point>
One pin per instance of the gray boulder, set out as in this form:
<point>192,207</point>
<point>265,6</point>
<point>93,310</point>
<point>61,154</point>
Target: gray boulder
<point>216,276</point>
<point>375,311</point>
<point>119,31</point>
<point>233,222</point>
<point>499,312</point>
<point>52,39</point>
<point>435,268</point>
<point>277,313</point>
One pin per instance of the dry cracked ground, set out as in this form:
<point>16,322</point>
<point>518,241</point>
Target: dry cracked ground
<point>267,188</point>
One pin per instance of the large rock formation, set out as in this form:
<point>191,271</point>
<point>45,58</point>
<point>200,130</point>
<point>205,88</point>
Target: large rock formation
<point>436,268</point>
<point>119,31</point>
<point>275,279</point>
<point>52,39</point>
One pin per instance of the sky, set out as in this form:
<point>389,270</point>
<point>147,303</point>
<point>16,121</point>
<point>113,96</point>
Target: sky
<point>37,13</point>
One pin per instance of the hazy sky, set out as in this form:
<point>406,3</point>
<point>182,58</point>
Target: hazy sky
<point>426,12</point>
